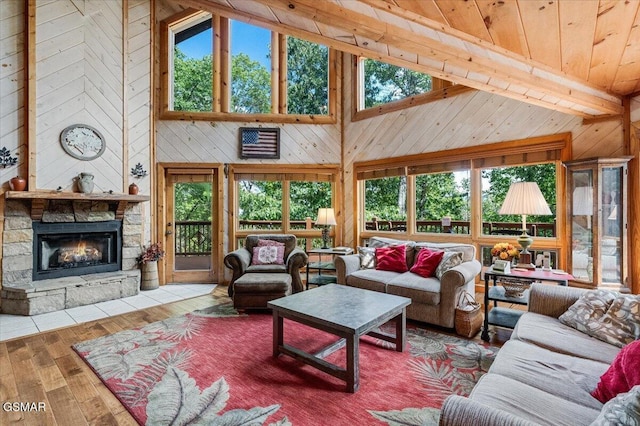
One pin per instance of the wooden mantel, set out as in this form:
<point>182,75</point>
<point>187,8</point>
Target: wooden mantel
<point>39,198</point>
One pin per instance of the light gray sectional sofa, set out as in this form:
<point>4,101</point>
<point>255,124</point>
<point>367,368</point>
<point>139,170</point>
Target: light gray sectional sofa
<point>432,300</point>
<point>542,376</point>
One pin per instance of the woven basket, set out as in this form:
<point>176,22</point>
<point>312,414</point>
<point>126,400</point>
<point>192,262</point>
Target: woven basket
<point>468,318</point>
<point>513,287</point>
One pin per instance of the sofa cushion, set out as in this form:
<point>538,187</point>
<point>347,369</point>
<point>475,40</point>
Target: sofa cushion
<point>267,268</point>
<point>530,403</point>
<point>624,409</point>
<point>417,288</point>
<point>562,375</point>
<point>550,333</point>
<point>391,258</point>
<point>606,315</point>
<point>371,279</point>
<point>426,262</point>
<point>468,251</point>
<point>449,260</point>
<point>622,375</point>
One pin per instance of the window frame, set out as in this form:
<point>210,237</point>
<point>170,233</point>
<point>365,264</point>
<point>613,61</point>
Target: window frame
<point>285,174</point>
<point>221,59</point>
<point>440,89</point>
<point>556,148</point>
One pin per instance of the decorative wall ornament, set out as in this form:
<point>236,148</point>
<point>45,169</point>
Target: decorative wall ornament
<point>138,172</point>
<point>82,142</point>
<point>258,142</point>
<point>6,160</point>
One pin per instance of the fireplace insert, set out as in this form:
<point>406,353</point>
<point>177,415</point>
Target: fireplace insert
<point>69,249</point>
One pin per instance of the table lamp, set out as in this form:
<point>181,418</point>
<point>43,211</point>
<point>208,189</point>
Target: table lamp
<point>525,198</point>
<point>326,218</point>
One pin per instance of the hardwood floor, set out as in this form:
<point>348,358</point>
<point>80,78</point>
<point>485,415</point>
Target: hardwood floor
<point>44,369</point>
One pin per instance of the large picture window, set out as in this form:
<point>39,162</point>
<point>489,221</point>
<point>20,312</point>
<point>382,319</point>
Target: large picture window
<point>385,205</point>
<point>456,195</point>
<point>281,199</point>
<point>495,184</point>
<point>443,202</point>
<point>216,68</point>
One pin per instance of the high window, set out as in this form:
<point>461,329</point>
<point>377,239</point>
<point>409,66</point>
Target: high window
<point>215,68</point>
<point>385,83</point>
<point>381,87</point>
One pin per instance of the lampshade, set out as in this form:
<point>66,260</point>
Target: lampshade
<point>326,217</point>
<point>583,201</point>
<point>525,198</point>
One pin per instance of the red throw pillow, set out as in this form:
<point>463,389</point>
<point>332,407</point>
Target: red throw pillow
<point>622,375</point>
<point>427,262</point>
<point>392,258</point>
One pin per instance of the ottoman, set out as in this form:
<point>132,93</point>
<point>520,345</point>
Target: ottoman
<point>255,289</point>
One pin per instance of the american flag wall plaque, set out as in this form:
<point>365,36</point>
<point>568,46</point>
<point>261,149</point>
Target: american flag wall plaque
<point>256,142</point>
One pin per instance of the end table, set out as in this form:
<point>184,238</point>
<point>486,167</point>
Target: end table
<point>507,317</point>
<point>324,266</point>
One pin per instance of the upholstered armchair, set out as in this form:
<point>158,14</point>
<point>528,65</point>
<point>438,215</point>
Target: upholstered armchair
<point>241,262</point>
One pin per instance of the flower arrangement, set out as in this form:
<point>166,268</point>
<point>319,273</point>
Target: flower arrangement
<point>153,253</point>
<point>505,251</point>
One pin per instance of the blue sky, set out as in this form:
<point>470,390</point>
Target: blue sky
<point>253,41</point>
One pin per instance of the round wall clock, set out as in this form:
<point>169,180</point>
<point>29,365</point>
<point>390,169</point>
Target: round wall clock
<point>82,142</point>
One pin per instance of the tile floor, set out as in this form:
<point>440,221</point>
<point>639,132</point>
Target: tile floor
<point>12,326</point>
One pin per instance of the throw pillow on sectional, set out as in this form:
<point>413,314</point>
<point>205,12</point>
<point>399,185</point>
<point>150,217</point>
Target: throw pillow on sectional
<point>622,375</point>
<point>624,409</point>
<point>606,315</point>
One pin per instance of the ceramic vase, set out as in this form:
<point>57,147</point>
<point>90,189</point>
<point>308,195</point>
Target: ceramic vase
<point>18,183</point>
<point>85,183</point>
<point>133,189</point>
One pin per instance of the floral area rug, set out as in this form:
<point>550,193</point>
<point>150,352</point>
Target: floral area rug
<point>214,367</point>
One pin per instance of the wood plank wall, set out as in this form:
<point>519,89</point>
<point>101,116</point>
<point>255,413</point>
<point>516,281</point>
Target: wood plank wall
<point>469,119</point>
<point>92,63</point>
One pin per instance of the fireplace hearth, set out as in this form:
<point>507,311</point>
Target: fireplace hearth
<point>69,249</point>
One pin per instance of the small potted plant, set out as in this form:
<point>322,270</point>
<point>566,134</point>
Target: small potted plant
<point>149,261</point>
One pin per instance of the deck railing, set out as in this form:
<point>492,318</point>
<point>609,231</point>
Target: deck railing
<point>194,237</point>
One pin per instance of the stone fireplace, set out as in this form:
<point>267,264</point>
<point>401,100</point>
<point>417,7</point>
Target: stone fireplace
<point>69,250</point>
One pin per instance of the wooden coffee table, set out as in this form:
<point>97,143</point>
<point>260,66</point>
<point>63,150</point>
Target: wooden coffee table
<point>347,312</point>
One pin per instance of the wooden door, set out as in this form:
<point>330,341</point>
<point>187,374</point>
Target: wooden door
<point>191,229</point>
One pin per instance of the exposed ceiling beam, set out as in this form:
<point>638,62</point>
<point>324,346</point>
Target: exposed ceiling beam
<point>380,30</point>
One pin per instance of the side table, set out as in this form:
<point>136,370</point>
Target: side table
<point>324,266</point>
<point>507,317</point>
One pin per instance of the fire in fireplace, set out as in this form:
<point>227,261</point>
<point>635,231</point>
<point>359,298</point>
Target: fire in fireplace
<point>67,249</point>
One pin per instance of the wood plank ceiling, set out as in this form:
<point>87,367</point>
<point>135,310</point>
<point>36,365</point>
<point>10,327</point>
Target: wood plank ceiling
<point>578,57</point>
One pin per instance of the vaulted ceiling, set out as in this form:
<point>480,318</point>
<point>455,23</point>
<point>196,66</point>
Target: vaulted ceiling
<point>575,56</point>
